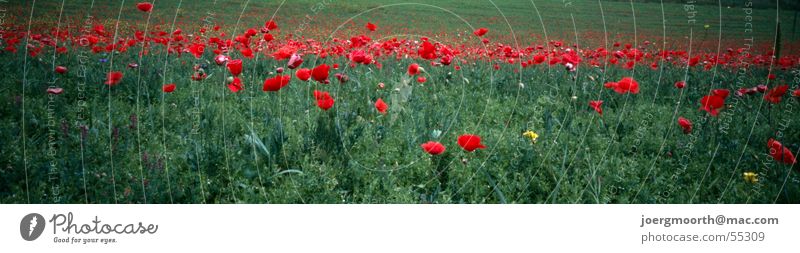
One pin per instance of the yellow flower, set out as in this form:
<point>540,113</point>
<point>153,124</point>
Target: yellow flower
<point>751,177</point>
<point>531,135</point>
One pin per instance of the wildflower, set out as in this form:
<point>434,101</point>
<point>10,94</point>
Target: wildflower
<point>685,124</point>
<point>144,7</point>
<point>470,142</point>
<point>324,100</point>
<point>715,101</point>
<point>371,27</point>
<point>533,136</point>
<point>276,83</point>
<point>775,94</point>
<point>381,106</point>
<point>113,78</point>
<point>168,88</point>
<point>433,148</point>
<point>235,67</point>
<point>321,73</point>
<point>597,106</point>
<point>480,32</point>
<point>220,59</point>
<point>751,177</point>
<point>55,91</point>
<point>235,85</point>
<point>780,153</point>
<point>303,74</point>
<point>413,69</point>
<point>294,61</point>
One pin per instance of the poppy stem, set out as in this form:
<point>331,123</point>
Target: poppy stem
<point>608,131</point>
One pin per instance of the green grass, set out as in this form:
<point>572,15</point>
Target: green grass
<point>256,147</point>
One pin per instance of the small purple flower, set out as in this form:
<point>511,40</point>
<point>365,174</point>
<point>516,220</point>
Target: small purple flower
<point>64,127</point>
<point>115,134</point>
<point>134,121</point>
<point>84,132</point>
<point>146,160</point>
<point>160,163</point>
<point>103,60</point>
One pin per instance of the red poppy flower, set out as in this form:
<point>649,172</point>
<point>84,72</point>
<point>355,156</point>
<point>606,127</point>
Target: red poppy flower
<point>276,83</point>
<point>427,51</point>
<point>197,50</point>
<point>539,58</point>
<point>470,142</point>
<point>715,101</point>
<point>761,88</point>
<point>746,91</point>
<point>480,32</point>
<point>113,78</point>
<point>268,37</point>
<point>694,61</point>
<point>771,76</point>
<point>271,25</point>
<point>796,93</point>
<point>61,70</point>
<point>321,73</point>
<point>685,124</point>
<point>303,74</point>
<point>381,106</point>
<point>775,94</point>
<point>680,84</point>
<point>250,32</point>
<point>199,76</point>
<point>236,85</point>
<point>712,104</point>
<point>722,93</point>
<point>55,91</point>
<point>343,78</point>
<point>324,100</point>
<point>235,67</point>
<point>413,69</point>
<point>168,88</point>
<point>145,6</point>
<point>433,148</point>
<point>220,59</point>
<point>295,61</point>
<point>284,52</point>
<point>780,153</point>
<point>421,79</point>
<point>372,27</point>
<point>627,84</point>
<point>597,106</point>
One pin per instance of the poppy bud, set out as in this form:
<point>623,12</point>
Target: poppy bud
<point>55,91</point>
<point>294,61</point>
<point>220,59</point>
